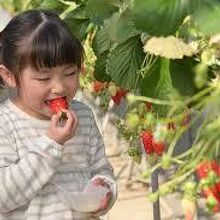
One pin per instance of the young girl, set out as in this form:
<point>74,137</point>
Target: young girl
<point>40,158</point>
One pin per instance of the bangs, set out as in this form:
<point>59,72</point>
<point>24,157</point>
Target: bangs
<point>52,46</point>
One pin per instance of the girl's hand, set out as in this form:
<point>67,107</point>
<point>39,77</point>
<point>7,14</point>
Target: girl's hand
<point>59,133</point>
<point>106,200</point>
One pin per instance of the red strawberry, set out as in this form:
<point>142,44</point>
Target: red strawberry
<point>58,104</point>
<point>205,167</point>
<point>120,93</point>
<point>211,191</point>
<point>218,186</point>
<point>98,87</point>
<point>147,140</point>
<point>158,147</point>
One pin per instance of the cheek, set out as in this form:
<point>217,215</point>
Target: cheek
<point>73,84</point>
<point>35,92</point>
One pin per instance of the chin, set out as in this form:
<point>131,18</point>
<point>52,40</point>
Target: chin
<point>45,115</point>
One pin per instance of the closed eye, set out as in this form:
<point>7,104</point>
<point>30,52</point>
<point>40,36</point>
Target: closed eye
<point>70,74</point>
<point>43,79</point>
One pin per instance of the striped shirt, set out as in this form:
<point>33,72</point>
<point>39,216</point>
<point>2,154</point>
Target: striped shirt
<point>33,167</point>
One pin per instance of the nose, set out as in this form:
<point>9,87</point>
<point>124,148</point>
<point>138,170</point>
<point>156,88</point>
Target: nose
<point>58,86</point>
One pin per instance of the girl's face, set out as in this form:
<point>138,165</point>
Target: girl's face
<point>36,88</point>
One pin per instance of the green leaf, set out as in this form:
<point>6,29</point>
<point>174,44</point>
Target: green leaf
<point>208,18</point>
<point>117,3</point>
<point>78,22</point>
<point>55,5</point>
<point>158,84</point>
<point>34,4</point>
<point>159,17</point>
<point>149,82</point>
<point>164,85</point>
<point>78,26</point>
<point>120,26</point>
<point>98,10</point>
<point>79,13</point>
<point>198,5</point>
<point>100,68</point>
<point>18,5</point>
<point>116,29</point>
<point>101,41</point>
<point>182,75</point>
<point>124,62</point>
<point>167,77</point>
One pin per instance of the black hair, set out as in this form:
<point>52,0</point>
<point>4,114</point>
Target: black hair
<point>40,39</point>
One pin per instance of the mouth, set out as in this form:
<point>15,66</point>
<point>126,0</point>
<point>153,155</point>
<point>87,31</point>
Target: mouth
<point>48,101</point>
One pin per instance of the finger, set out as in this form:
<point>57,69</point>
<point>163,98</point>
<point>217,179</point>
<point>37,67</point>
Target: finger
<point>55,118</point>
<point>101,182</point>
<point>71,120</point>
<point>98,181</point>
<point>105,201</point>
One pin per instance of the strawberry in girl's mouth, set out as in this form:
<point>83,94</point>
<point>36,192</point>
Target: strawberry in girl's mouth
<point>58,104</point>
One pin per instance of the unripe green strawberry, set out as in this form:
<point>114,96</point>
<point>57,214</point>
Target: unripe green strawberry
<point>201,74</point>
<point>135,153</point>
<point>132,120</point>
<point>166,161</point>
<point>207,55</point>
<point>112,89</point>
<point>131,98</point>
<point>160,133</point>
<point>150,117</point>
<point>131,151</point>
<point>189,190</point>
<point>141,109</point>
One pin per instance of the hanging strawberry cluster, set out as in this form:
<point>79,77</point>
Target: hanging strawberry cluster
<point>148,133</point>
<point>104,92</point>
<point>208,173</point>
<point>150,144</point>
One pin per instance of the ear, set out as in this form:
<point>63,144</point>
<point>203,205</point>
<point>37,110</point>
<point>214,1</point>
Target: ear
<point>7,76</point>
